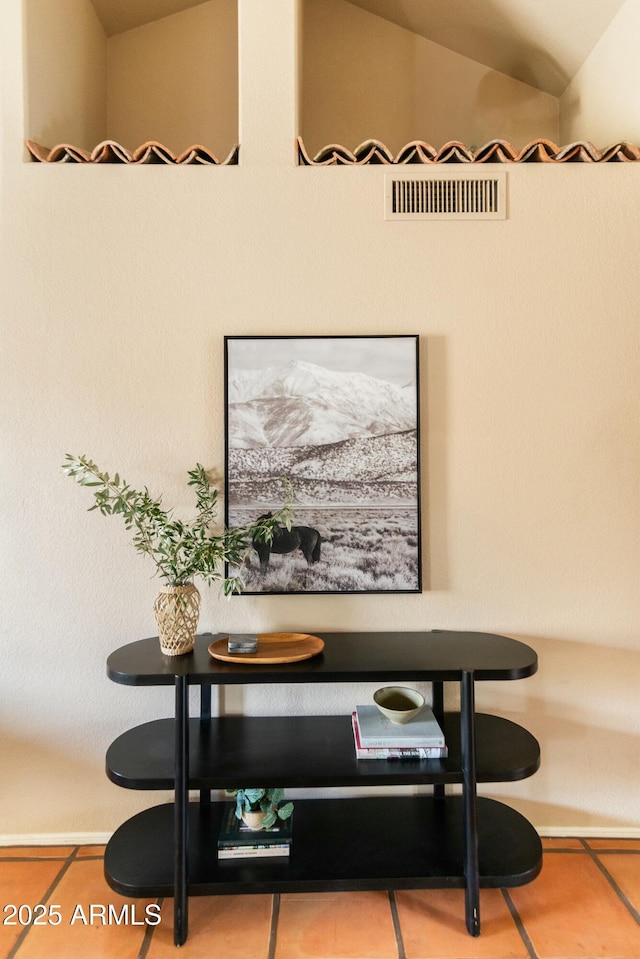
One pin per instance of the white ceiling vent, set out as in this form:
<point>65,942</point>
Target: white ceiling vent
<point>451,196</point>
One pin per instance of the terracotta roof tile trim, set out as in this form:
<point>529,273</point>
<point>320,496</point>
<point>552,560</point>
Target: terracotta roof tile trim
<point>495,151</point>
<point>108,151</point>
<point>368,152</point>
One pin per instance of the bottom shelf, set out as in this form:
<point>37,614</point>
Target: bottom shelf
<point>338,844</point>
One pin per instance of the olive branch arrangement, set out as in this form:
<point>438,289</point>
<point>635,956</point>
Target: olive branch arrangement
<point>179,549</point>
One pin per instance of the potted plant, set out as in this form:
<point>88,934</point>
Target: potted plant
<point>181,550</point>
<point>260,808</point>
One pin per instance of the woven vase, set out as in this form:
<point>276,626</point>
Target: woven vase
<point>177,610</point>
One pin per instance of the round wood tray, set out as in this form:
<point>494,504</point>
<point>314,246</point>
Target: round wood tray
<point>272,648</point>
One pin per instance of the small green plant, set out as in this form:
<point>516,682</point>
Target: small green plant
<point>262,800</point>
<point>180,550</point>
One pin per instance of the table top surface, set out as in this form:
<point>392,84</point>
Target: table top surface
<point>436,655</point>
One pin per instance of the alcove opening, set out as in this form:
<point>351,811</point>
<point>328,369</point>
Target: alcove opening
<point>161,71</point>
<point>497,81</point>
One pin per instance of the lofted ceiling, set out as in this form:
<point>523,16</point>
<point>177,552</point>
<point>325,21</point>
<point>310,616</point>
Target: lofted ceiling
<point>118,16</point>
<point>541,42</point>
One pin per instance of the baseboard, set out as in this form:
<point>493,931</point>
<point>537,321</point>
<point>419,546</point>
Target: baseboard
<point>101,838</point>
<point>55,839</point>
<point>589,832</point>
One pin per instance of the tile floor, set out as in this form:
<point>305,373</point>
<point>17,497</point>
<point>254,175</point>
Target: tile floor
<point>584,905</point>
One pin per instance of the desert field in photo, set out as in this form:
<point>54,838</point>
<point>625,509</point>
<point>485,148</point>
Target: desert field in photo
<point>363,549</point>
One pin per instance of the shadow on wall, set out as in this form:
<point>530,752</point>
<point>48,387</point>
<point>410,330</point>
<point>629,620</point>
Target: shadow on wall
<point>528,63</point>
<point>495,98</point>
<point>71,796</point>
<point>434,427</point>
<point>536,70</point>
<point>581,705</point>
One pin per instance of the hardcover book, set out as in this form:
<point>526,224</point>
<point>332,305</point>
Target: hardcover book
<point>378,731</point>
<point>252,852</point>
<point>236,840</point>
<point>395,752</point>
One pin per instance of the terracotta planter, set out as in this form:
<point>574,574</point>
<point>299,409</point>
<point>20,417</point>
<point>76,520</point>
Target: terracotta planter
<point>177,610</point>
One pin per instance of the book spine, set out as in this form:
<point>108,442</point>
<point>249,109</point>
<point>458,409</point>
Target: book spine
<point>251,843</point>
<point>252,852</point>
<point>376,743</point>
<point>419,752</point>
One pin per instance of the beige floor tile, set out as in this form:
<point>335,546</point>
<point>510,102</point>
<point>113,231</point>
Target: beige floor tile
<point>571,911</point>
<point>83,934</point>
<point>343,925</point>
<point>433,926</point>
<point>22,884</point>
<point>625,870</point>
<point>225,927</point>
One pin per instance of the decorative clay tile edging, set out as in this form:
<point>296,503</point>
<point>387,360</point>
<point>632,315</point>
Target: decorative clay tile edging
<point>108,151</point>
<point>368,152</point>
<point>496,151</point>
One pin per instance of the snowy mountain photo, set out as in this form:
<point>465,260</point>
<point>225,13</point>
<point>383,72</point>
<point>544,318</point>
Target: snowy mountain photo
<point>302,404</point>
<point>337,417</point>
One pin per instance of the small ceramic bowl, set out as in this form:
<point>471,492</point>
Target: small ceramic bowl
<point>398,703</point>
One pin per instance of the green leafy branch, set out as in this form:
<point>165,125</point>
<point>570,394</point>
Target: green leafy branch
<point>180,550</point>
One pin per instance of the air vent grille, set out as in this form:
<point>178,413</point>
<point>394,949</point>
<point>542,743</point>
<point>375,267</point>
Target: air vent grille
<point>445,197</point>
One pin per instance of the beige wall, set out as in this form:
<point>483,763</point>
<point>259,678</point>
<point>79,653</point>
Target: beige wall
<point>176,80</point>
<point>65,73</point>
<point>601,102</point>
<point>366,78</point>
<point>118,285</point>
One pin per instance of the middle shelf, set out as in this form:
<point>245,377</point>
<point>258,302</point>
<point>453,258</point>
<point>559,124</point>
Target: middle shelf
<point>307,751</point>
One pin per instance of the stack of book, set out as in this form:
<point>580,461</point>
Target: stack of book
<point>237,841</point>
<point>376,737</point>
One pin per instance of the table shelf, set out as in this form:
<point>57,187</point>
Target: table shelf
<point>419,843</point>
<point>307,751</point>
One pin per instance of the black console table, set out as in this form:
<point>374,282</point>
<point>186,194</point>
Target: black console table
<point>384,842</point>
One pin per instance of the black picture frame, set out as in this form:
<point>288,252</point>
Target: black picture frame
<point>339,417</point>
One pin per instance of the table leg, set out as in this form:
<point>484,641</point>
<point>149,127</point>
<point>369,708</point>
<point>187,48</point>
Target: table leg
<point>437,704</point>
<point>181,807</point>
<point>205,726</point>
<point>471,865</point>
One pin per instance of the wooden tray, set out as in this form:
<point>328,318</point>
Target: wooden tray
<point>272,648</point>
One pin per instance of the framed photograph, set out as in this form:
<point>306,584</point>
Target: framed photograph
<point>338,417</point>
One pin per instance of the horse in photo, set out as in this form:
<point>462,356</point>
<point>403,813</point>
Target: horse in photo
<point>304,538</point>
